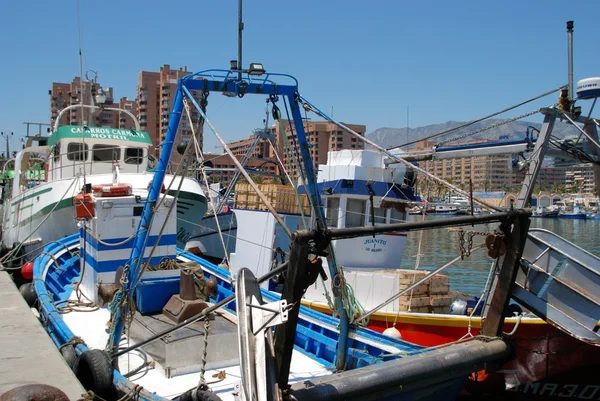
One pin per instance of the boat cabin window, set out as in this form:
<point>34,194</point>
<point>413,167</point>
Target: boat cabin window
<point>397,216</point>
<point>379,215</point>
<point>106,153</point>
<point>77,151</point>
<point>355,212</point>
<point>134,155</point>
<point>332,212</point>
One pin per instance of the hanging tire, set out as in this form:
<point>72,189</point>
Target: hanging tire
<point>68,352</point>
<point>28,292</point>
<point>95,372</point>
<point>200,395</point>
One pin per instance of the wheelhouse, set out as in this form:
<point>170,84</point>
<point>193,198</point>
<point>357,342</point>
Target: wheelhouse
<point>78,149</point>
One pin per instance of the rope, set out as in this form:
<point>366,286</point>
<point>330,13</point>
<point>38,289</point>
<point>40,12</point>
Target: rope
<point>496,125</point>
<point>202,383</point>
<point>39,225</point>
<point>484,293</point>
<point>87,229</point>
<point>514,330</point>
<point>441,181</point>
<point>480,119</point>
<point>205,179</point>
<point>247,176</point>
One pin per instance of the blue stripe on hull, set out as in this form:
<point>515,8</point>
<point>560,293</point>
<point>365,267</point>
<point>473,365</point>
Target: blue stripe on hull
<point>107,266</point>
<point>167,239</point>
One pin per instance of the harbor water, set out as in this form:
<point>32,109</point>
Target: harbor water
<point>440,246</point>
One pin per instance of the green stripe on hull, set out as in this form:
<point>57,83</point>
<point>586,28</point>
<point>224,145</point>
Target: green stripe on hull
<point>33,195</point>
<point>47,209</point>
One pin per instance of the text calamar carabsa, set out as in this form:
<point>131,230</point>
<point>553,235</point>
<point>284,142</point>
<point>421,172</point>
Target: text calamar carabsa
<point>108,133</point>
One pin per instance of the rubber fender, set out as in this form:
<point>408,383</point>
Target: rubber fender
<point>27,290</point>
<point>34,392</point>
<point>200,395</point>
<point>68,352</point>
<point>95,372</point>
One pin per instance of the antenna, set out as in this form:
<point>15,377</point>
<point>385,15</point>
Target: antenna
<point>570,39</point>
<point>407,115</point>
<point>240,29</point>
<point>80,63</point>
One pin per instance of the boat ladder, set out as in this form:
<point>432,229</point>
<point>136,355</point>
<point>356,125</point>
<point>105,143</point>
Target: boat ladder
<point>560,282</point>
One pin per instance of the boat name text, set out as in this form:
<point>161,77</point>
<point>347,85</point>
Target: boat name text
<point>108,133</point>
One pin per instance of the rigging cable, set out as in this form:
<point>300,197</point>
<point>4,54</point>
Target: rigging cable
<point>314,109</point>
<point>480,119</point>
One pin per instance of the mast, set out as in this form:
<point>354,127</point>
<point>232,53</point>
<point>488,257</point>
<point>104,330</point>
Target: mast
<point>240,29</point>
<point>570,55</point>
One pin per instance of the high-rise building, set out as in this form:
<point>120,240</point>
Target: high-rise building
<point>497,173</point>
<point>322,137</point>
<point>580,178</point>
<point>63,95</point>
<point>156,93</point>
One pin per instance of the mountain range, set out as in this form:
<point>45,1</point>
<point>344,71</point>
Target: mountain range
<point>389,137</point>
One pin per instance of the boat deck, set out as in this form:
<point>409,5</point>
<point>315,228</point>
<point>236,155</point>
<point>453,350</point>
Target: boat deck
<point>28,355</point>
<point>92,327</point>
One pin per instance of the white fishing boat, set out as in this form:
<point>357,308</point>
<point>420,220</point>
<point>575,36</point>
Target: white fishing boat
<point>39,208</point>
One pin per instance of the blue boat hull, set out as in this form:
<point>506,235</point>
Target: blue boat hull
<point>317,341</point>
<point>573,216</point>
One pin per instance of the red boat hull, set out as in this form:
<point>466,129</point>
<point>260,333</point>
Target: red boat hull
<point>549,365</point>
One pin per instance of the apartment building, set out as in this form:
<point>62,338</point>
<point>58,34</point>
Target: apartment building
<point>322,137</point>
<point>64,94</point>
<point>156,93</point>
<point>580,178</point>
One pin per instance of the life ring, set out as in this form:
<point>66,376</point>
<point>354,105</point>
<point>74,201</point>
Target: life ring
<point>95,372</point>
<point>112,190</point>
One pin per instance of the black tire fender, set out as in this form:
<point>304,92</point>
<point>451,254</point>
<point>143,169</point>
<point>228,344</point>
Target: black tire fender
<point>27,291</point>
<point>199,395</point>
<point>68,352</point>
<point>95,372</point>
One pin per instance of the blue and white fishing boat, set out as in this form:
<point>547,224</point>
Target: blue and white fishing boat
<point>136,317</point>
<point>123,268</point>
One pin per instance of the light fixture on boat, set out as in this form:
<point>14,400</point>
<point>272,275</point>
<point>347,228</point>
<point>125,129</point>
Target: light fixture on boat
<point>101,97</point>
<point>256,69</point>
<point>327,191</point>
<point>233,65</point>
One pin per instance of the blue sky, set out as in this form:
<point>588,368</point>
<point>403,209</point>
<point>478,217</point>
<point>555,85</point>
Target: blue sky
<point>448,60</point>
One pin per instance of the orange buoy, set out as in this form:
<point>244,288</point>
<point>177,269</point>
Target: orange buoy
<point>111,190</point>
<point>84,206</point>
<point>27,271</point>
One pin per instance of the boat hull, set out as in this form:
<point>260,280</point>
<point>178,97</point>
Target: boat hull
<point>46,213</point>
<point>55,275</point>
<point>549,364</point>
<point>573,216</point>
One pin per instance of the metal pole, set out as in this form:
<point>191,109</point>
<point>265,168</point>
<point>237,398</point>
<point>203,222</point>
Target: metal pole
<point>339,233</point>
<point>240,29</point>
<point>570,39</point>
<point>315,201</point>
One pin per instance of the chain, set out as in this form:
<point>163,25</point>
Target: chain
<point>466,251</point>
<point>461,243</point>
<point>496,125</point>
